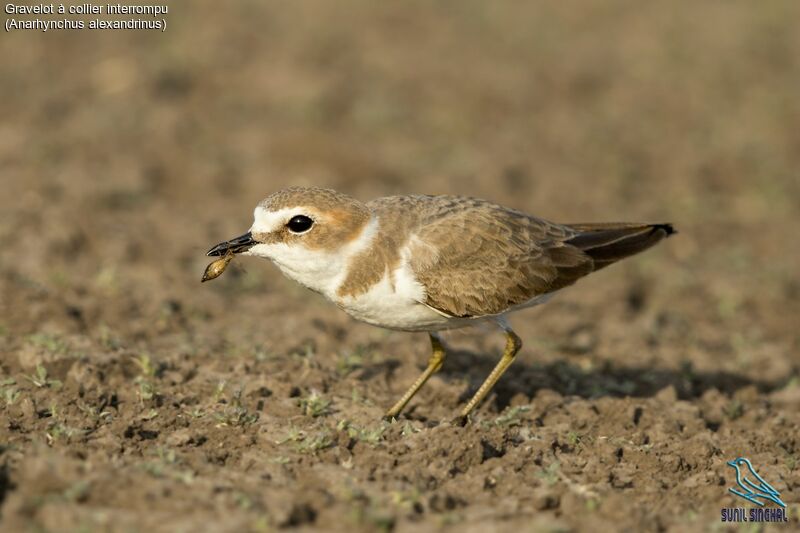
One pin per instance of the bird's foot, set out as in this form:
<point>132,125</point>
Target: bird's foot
<point>460,421</point>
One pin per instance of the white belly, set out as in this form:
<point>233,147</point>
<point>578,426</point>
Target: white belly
<point>396,307</point>
<point>399,305</point>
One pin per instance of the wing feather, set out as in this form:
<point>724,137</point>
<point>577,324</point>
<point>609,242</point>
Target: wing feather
<point>489,259</point>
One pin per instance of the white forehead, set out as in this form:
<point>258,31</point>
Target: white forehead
<point>265,221</point>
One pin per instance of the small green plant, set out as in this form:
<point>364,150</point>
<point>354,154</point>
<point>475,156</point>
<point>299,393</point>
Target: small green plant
<point>108,339</point>
<point>372,436</point>
<point>243,500</point>
<point>261,524</point>
<point>293,435</point>
<point>645,447</point>
<point>147,371</point>
<point>734,409</point>
<point>407,500</point>
<point>357,397</point>
<point>107,280</point>
<point>316,443</point>
<point>145,364</point>
<point>93,412</point>
<point>150,415</point>
<point>351,361</point>
<point>166,464</point>
<point>512,417</point>
<point>219,391</point>
<point>408,429</point>
<point>315,405</point>
<point>373,518</point>
<point>77,492</point>
<point>39,378</point>
<point>147,390</point>
<point>58,432</point>
<point>195,413</point>
<point>304,443</point>
<point>307,351</point>
<point>10,395</point>
<point>235,413</point>
<point>549,474</point>
<point>449,519</point>
<point>262,353</point>
<point>574,439</point>
<point>49,343</point>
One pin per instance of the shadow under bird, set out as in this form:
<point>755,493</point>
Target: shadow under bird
<point>429,263</point>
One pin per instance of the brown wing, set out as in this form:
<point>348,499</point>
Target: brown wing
<point>476,258</point>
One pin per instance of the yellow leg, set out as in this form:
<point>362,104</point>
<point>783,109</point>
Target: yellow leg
<point>434,364</point>
<point>513,344</point>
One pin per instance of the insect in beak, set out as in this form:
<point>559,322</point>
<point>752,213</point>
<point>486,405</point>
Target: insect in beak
<point>216,268</point>
<point>227,250</point>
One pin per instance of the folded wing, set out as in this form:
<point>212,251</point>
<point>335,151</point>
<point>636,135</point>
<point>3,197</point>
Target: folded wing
<point>476,259</point>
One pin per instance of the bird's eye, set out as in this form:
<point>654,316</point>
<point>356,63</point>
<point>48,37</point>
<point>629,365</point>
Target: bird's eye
<point>299,224</point>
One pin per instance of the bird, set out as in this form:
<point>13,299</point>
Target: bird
<point>751,490</point>
<point>430,263</point>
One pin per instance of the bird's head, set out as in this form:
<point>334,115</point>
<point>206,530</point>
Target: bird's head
<point>309,233</point>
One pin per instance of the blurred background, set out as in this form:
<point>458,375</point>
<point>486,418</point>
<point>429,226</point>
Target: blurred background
<point>124,155</point>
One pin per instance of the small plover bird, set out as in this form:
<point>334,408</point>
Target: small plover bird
<point>429,263</point>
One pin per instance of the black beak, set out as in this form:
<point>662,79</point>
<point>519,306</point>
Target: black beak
<point>238,245</point>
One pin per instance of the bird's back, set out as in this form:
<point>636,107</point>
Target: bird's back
<point>477,258</point>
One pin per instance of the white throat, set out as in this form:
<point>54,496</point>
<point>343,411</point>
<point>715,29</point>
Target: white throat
<point>322,271</point>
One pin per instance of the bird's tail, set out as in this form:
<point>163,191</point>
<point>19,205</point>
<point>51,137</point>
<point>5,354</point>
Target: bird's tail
<point>607,243</point>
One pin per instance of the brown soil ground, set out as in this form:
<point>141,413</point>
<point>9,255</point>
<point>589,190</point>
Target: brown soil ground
<point>133,398</point>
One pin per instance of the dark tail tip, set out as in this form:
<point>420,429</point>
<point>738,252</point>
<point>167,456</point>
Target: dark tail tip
<point>668,228</point>
<point>608,243</point>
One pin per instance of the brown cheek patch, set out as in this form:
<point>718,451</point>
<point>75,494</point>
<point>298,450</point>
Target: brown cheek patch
<point>334,229</point>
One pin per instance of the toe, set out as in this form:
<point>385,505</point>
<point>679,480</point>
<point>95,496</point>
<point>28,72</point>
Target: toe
<point>460,420</point>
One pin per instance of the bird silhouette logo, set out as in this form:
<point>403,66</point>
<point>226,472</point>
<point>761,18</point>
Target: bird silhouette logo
<point>754,488</point>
